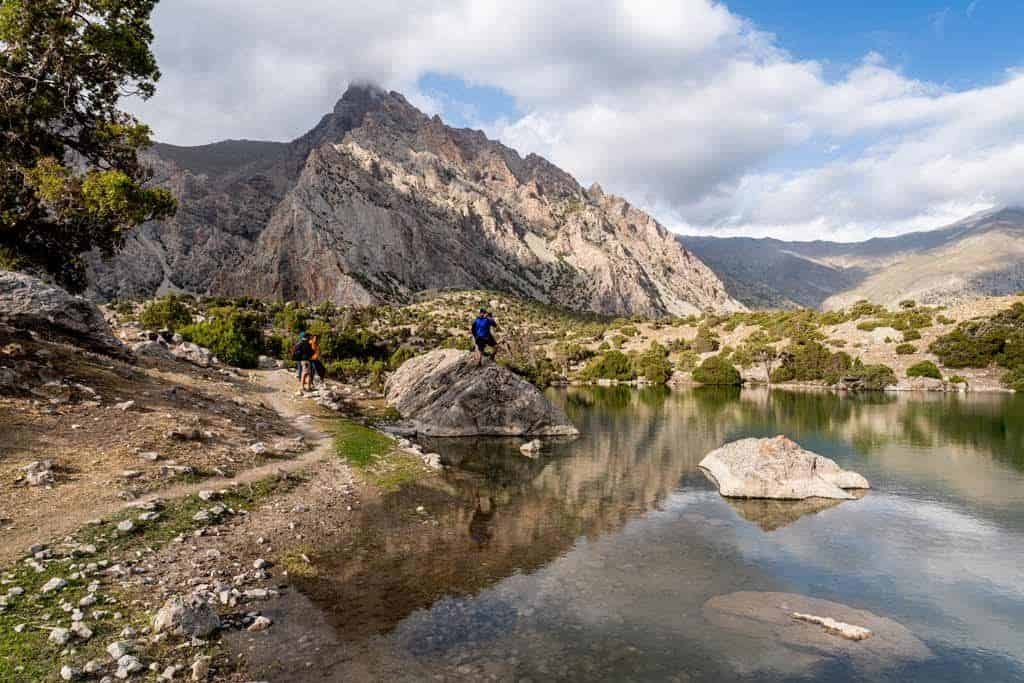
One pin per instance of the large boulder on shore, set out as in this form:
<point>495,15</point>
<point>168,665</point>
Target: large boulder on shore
<point>29,303</point>
<point>777,468</point>
<point>445,393</point>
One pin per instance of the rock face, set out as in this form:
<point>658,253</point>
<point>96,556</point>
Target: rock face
<point>777,468</point>
<point>445,393</point>
<point>380,201</point>
<point>29,303</point>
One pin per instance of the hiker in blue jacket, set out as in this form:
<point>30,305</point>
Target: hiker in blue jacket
<point>482,335</point>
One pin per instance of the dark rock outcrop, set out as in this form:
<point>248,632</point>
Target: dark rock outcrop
<point>28,303</point>
<point>445,393</point>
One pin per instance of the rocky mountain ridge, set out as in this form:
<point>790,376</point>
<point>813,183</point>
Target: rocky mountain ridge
<point>982,255</point>
<point>379,201</point>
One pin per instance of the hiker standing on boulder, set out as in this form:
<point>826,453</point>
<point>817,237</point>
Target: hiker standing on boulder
<point>302,354</point>
<point>482,335</point>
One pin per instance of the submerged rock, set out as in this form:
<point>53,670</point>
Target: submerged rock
<point>445,393</point>
<point>780,641</point>
<point>777,468</point>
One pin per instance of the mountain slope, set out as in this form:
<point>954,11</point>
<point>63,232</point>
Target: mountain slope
<point>979,256</point>
<point>380,201</point>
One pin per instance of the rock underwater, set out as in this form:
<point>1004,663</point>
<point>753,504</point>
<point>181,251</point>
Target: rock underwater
<point>777,468</point>
<point>445,393</point>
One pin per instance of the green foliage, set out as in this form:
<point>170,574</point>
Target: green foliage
<point>359,445</point>
<point>167,313</point>
<point>1014,379</point>
<point>537,370</point>
<point>905,349</point>
<point>629,331</point>
<point>65,66</point>
<point>944,320</point>
<point>400,356</point>
<point>908,303</point>
<point>611,365</point>
<point>688,360</point>
<point>979,343</point>
<point>352,369</point>
<point>911,335</point>
<point>925,368</point>
<point>234,336</point>
<point>869,377</point>
<point>705,341</point>
<point>292,319</point>
<point>958,379</point>
<point>715,370</point>
<point>810,361</point>
<point>653,364</point>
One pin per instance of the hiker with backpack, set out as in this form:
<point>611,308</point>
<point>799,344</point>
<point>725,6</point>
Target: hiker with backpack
<point>302,354</point>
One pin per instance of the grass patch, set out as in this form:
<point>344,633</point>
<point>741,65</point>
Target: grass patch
<point>360,446</point>
<point>30,656</point>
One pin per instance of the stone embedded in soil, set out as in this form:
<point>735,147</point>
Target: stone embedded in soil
<point>54,584</point>
<point>124,406</point>
<point>126,526</point>
<point>260,564</point>
<point>201,668</point>
<point>192,615</point>
<point>119,649</point>
<point>126,666</point>
<point>261,623</point>
<point>68,673</point>
<point>81,631</point>
<point>60,636</point>
<point>39,473</point>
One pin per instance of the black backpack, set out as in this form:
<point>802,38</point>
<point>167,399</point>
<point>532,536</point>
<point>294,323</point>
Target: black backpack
<point>302,351</point>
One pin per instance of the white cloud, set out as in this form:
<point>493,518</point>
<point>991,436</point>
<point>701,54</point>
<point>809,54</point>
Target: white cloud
<point>682,106</point>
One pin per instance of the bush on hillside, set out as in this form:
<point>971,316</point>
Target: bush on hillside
<point>869,377</point>
<point>911,335</point>
<point>688,360</point>
<point>811,361</point>
<point>611,365</point>
<point>705,341</point>
<point>1014,379</point>
<point>925,368</point>
<point>905,349</point>
<point>168,313</point>
<point>653,364</point>
<point>979,343</point>
<point>291,319</point>
<point>234,336</point>
<point>717,371</point>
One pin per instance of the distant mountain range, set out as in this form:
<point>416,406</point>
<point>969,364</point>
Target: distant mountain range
<point>380,201</point>
<point>980,255</point>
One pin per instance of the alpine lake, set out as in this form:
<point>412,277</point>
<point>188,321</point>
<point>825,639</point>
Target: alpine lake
<point>611,557</point>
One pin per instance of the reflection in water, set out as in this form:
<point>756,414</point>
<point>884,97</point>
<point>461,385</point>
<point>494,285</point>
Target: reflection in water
<point>594,560</point>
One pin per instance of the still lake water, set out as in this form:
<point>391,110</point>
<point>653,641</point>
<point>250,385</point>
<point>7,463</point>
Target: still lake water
<point>595,560</point>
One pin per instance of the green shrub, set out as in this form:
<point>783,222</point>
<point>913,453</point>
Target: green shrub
<point>705,341</point>
<point>617,341</point>
<point>275,346</point>
<point>908,303</point>
<point>717,371</point>
<point>291,319</point>
<point>629,331</point>
<point>400,356</point>
<point>611,365</point>
<point>1014,379</point>
<point>653,364</point>
<point>944,320</point>
<point>234,336</point>
<point>925,368</point>
<point>905,349</point>
<point>811,361</point>
<point>688,360</point>
<point>958,379</point>
<point>869,377</point>
<point>911,335</point>
<point>168,313</point>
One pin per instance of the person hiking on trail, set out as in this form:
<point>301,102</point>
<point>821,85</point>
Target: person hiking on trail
<point>482,335</point>
<point>302,354</point>
<point>319,371</point>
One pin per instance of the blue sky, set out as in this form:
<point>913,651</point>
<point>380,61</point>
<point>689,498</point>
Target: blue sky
<point>790,118</point>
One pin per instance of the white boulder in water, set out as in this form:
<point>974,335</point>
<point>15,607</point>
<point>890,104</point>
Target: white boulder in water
<point>777,468</point>
<point>445,393</point>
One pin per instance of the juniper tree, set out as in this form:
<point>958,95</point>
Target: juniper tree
<point>70,175</point>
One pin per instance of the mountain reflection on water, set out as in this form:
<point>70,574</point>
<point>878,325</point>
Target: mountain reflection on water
<point>594,560</point>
